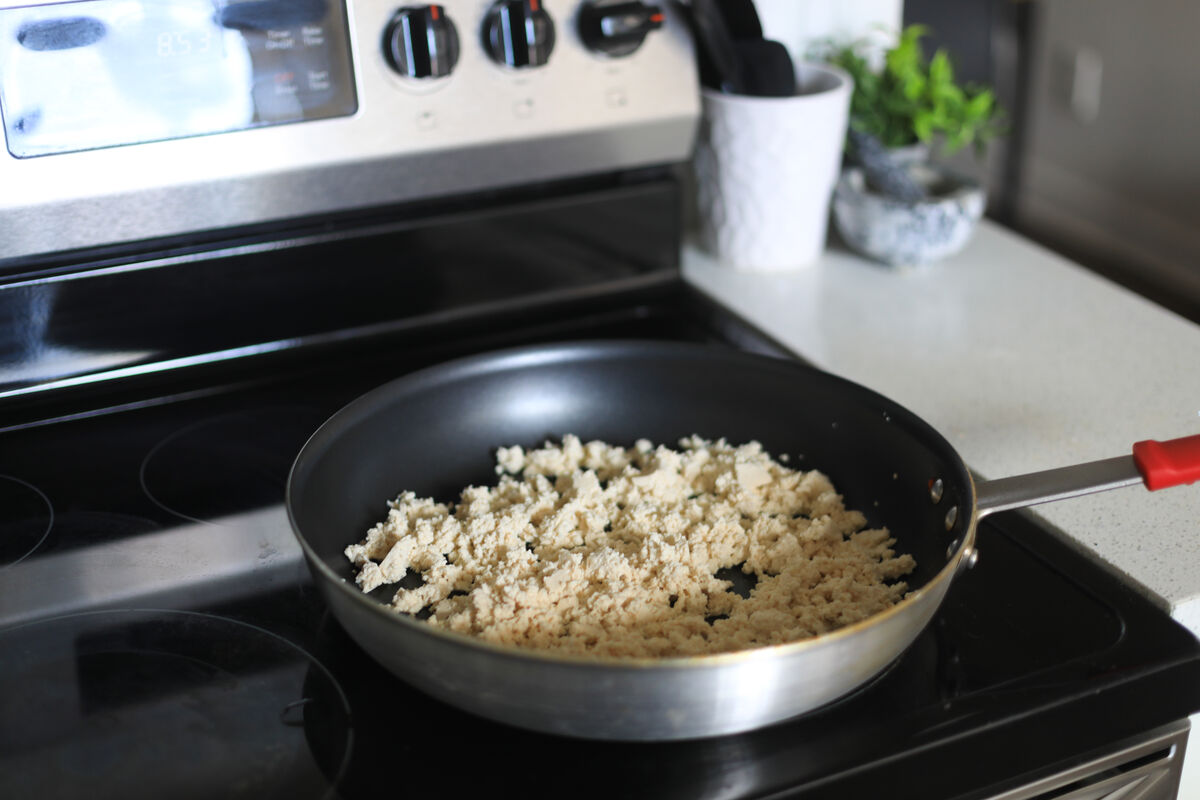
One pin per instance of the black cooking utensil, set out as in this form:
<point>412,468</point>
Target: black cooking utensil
<point>766,67</point>
<point>719,63</point>
<point>749,66</point>
<point>741,18</point>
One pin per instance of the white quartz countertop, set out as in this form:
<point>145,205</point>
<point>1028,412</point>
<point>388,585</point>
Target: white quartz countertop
<point>1023,361</point>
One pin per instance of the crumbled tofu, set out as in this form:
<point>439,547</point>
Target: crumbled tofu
<point>595,548</point>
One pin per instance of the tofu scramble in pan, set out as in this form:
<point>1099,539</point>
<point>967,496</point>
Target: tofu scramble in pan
<point>598,549</point>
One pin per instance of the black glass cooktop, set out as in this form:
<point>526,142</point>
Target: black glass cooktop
<point>160,637</point>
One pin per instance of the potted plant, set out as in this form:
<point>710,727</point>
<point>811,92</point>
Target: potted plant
<point>892,202</point>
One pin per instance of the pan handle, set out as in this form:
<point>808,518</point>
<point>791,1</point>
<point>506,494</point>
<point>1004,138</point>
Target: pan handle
<point>1157,465</point>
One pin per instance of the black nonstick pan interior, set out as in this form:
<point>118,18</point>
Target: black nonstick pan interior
<point>436,431</point>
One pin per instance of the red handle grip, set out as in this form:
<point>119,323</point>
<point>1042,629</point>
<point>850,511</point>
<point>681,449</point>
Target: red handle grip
<point>1174,462</point>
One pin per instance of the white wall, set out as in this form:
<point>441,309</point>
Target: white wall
<point>798,23</point>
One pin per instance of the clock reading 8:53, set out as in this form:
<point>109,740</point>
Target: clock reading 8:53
<point>183,43</point>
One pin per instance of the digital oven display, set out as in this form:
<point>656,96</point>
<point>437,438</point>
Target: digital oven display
<point>100,73</point>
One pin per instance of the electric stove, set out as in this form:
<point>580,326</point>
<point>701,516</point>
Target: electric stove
<point>337,194</point>
<point>162,637</point>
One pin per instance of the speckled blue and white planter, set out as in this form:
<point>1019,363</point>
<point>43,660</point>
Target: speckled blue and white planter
<point>908,234</point>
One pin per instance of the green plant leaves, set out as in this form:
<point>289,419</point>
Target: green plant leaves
<point>913,87</point>
<point>941,73</point>
<point>980,106</point>
<point>923,125</point>
<point>914,98</point>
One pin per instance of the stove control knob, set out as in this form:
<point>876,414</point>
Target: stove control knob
<point>518,33</point>
<point>421,42</point>
<point>617,28</point>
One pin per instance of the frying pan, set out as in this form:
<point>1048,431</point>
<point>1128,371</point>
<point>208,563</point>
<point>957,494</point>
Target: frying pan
<point>436,431</point>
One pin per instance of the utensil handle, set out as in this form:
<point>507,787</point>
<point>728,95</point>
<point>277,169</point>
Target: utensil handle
<point>1157,465</point>
<point>1174,462</point>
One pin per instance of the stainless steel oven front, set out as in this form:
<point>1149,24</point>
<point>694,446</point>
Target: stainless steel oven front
<point>132,119</point>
